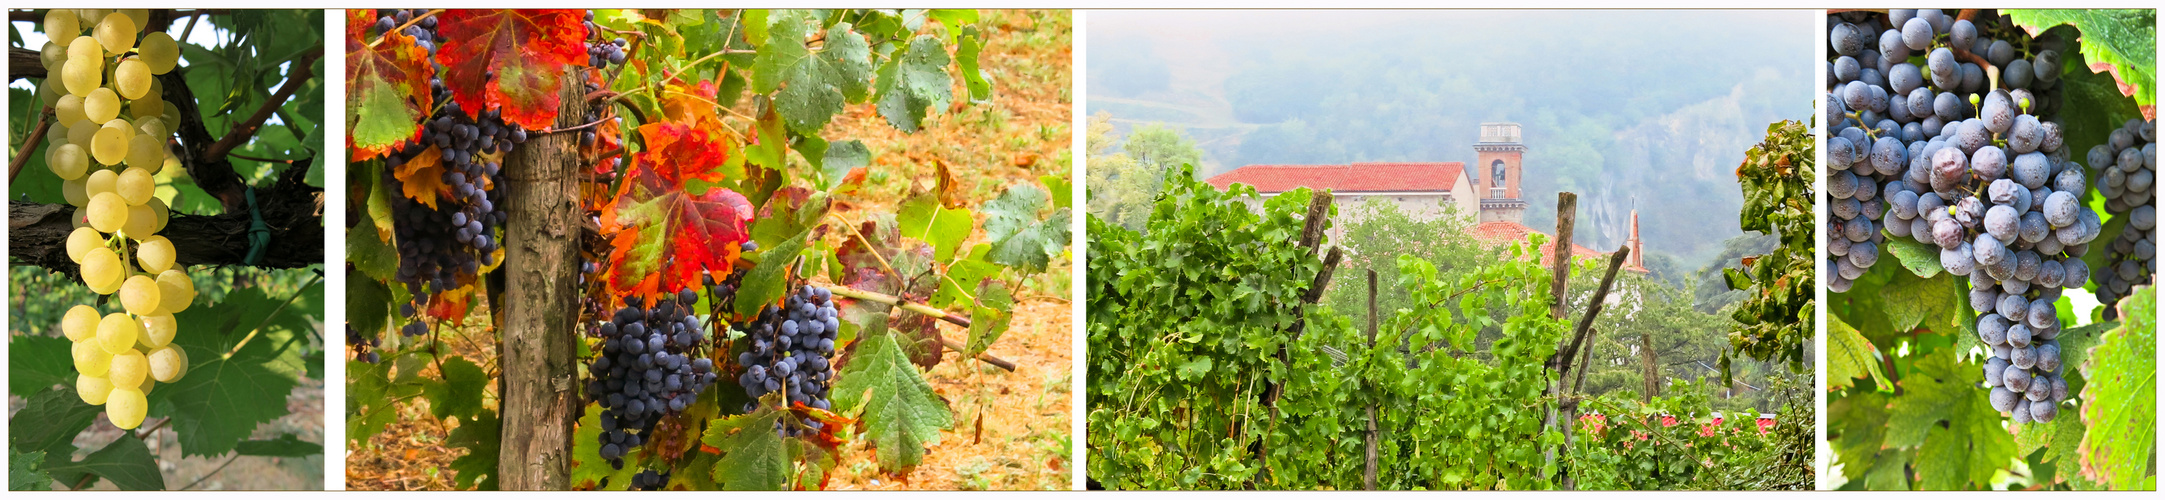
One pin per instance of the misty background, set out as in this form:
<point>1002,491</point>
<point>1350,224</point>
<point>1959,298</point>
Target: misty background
<point>1652,109</point>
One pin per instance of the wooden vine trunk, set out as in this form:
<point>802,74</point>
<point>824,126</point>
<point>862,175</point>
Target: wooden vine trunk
<point>540,304</point>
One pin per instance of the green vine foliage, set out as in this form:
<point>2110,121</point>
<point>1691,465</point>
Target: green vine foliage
<point>1775,320</point>
<point>1446,419</point>
<point>1677,443</point>
<point>1186,320</point>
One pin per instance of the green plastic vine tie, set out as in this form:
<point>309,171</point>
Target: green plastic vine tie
<point>259,234</point>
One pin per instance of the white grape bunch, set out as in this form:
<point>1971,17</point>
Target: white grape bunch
<point>109,141</point>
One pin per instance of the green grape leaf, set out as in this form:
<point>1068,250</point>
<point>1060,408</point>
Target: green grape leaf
<point>38,362</point>
<point>915,82</point>
<point>1927,303</point>
<point>387,87</point>
<point>842,163</point>
<point>782,46</point>
<point>902,414</point>
<point>770,147</point>
<point>963,278</point>
<point>2119,400</point>
<point>481,438</point>
<point>1921,259</point>
<point>49,422</point>
<point>1944,412</point>
<point>1018,237</point>
<point>374,257</point>
<point>126,462</point>
<point>768,281</point>
<point>1062,191</point>
<point>1854,430</point>
<point>967,49</point>
<point>1891,472</point>
<point>459,392</point>
<point>1850,356</point>
<point>591,470</point>
<point>372,396</point>
<point>23,473</point>
<point>922,218</point>
<point>222,398</point>
<point>2075,343</point>
<point>285,445</point>
<point>368,305</point>
<point>818,85</point>
<point>754,456</point>
<point>989,317</point>
<point>2123,38</point>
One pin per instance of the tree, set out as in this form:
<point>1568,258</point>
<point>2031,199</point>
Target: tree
<point>1125,183</point>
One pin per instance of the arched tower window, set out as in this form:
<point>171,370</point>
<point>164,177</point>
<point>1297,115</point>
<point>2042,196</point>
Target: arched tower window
<point>1495,176</point>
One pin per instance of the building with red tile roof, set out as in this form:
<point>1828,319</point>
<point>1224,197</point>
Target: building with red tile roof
<point>1424,189</point>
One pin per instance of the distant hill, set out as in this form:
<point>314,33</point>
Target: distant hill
<point>1613,108</point>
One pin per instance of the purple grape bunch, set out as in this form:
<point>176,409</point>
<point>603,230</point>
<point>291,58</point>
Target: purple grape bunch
<point>1927,145</point>
<point>652,364</point>
<point>2126,169</point>
<point>792,349</point>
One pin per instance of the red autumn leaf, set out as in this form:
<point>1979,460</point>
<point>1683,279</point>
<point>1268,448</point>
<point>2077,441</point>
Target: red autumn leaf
<point>669,222</point>
<point>450,304</point>
<point>527,51</point>
<point>387,88</point>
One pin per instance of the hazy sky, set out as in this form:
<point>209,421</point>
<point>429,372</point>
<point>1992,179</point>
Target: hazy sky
<point>1632,109</point>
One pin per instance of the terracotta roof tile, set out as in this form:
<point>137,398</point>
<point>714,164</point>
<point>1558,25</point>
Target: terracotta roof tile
<point>1506,232</point>
<point>1357,177</point>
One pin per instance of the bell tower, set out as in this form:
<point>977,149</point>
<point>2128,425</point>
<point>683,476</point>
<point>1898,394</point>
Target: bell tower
<point>1499,154</point>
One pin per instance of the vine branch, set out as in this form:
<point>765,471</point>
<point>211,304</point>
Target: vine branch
<point>924,310</point>
<point>22,153</point>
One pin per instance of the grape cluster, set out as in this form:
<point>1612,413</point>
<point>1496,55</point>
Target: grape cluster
<point>109,137</point>
<point>1968,159</point>
<point>443,246</point>
<point>602,53</point>
<point>423,32</point>
<point>651,365</point>
<point>792,347</point>
<point>363,346</point>
<point>649,480</point>
<point>2126,168</point>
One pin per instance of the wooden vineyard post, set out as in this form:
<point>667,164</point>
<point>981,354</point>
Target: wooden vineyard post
<point>1318,216</point>
<point>1567,209</point>
<point>1368,478</point>
<point>540,304</point>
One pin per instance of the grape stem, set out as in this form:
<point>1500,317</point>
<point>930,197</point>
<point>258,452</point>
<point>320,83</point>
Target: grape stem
<point>267,319</point>
<point>213,472</point>
<point>925,310</point>
<point>409,23</point>
<point>22,156</point>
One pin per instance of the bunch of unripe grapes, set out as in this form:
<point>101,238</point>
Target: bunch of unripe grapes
<point>109,140</point>
<point>1967,158</point>
<point>792,352</point>
<point>2126,169</point>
